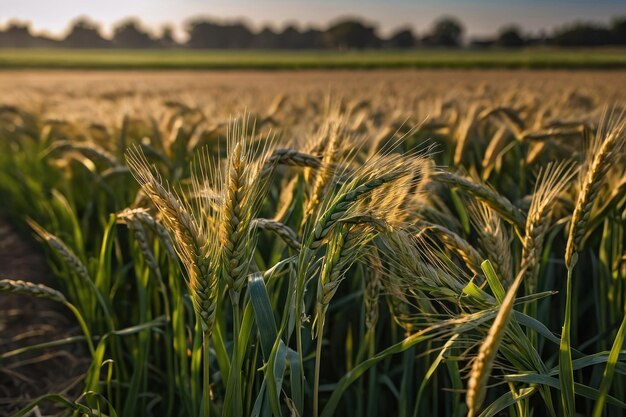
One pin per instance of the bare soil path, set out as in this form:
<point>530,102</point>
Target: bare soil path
<point>28,321</point>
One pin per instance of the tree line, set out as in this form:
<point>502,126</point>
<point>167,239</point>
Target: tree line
<point>348,33</point>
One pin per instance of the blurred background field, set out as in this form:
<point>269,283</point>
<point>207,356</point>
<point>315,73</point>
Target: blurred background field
<point>105,96</point>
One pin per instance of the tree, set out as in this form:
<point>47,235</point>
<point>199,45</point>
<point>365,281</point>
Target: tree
<point>351,34</point>
<point>510,37</point>
<point>17,35</point>
<point>312,39</point>
<point>402,38</point>
<point>167,40</point>
<point>447,32</point>
<point>583,34</point>
<point>85,33</point>
<point>289,38</point>
<point>129,34</point>
<point>265,39</point>
<point>618,31</point>
<point>292,38</point>
<point>206,34</point>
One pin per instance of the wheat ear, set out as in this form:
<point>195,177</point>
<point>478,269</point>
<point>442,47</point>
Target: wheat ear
<point>494,239</point>
<point>281,230</point>
<point>457,244</point>
<point>483,363</point>
<point>481,191</point>
<point>289,157</point>
<point>31,289</point>
<point>604,150</point>
<point>551,181</point>
<point>192,243</point>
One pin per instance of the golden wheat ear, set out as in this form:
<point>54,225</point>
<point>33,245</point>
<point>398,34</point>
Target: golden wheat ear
<point>485,193</point>
<point>551,181</point>
<point>604,150</point>
<point>483,363</point>
<point>244,186</point>
<point>494,239</point>
<point>191,241</point>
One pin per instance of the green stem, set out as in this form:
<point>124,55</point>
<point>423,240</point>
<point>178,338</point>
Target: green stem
<point>318,355</point>
<point>234,386</point>
<point>299,348</point>
<point>406,387</point>
<point>83,326</point>
<point>372,398</point>
<point>565,353</point>
<point>306,256</point>
<point>206,383</point>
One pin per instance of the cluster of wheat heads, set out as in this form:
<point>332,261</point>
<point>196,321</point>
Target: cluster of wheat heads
<point>348,273</point>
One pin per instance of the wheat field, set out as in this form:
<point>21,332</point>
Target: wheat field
<point>377,243</point>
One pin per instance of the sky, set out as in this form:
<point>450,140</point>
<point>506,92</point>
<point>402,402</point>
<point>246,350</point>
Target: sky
<point>480,17</point>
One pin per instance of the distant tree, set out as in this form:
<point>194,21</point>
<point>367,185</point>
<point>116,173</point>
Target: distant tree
<point>265,39</point>
<point>351,34</point>
<point>166,40</point>
<point>207,34</point>
<point>312,39</point>
<point>289,38</point>
<point>85,33</point>
<point>129,34</point>
<point>447,32</point>
<point>510,37</point>
<point>618,31</point>
<point>292,38</point>
<point>583,34</point>
<point>17,35</point>
<point>402,38</point>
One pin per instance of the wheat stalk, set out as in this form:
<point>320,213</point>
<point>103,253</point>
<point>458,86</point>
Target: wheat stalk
<point>193,245</point>
<point>88,150</point>
<point>463,131</point>
<point>322,177</point>
<point>372,290</point>
<point>290,157</point>
<point>243,194</point>
<point>281,230</point>
<point>455,243</point>
<point>551,181</point>
<point>31,289</point>
<point>483,363</point>
<point>233,233</point>
<point>481,191</point>
<point>365,181</point>
<point>494,239</point>
<point>343,250</point>
<point>604,150</point>
<point>416,263</point>
<point>139,232</point>
<point>144,217</point>
<point>62,250</point>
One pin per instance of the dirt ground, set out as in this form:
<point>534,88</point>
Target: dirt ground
<point>28,321</point>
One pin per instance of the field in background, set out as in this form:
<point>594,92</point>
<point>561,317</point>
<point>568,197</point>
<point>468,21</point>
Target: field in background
<point>189,59</point>
<point>105,96</point>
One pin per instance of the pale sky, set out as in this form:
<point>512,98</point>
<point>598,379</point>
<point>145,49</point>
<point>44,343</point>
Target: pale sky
<point>479,16</point>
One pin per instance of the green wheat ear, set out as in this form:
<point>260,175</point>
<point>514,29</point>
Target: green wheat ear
<point>32,289</point>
